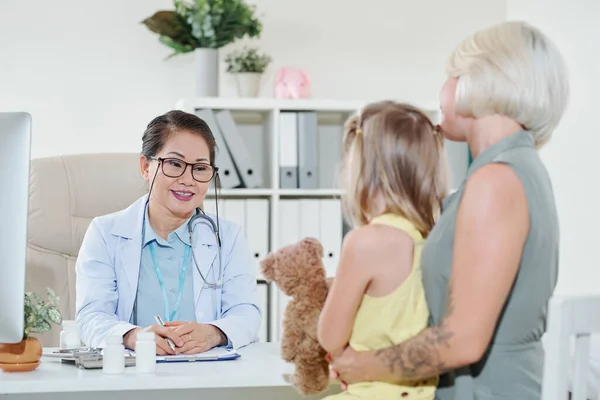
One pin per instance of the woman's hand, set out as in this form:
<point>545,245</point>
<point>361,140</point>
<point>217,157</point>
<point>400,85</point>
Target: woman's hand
<point>161,333</point>
<point>196,338</point>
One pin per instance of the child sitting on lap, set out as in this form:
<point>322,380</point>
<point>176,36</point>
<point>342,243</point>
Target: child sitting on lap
<point>394,179</point>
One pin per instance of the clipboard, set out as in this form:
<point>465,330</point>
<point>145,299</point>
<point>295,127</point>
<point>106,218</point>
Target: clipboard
<point>216,354</point>
<point>85,357</point>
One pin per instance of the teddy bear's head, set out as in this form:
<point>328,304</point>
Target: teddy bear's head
<point>295,268</point>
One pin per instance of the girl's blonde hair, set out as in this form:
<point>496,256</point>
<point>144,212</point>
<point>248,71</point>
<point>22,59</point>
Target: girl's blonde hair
<point>393,150</point>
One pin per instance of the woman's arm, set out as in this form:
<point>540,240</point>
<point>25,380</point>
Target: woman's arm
<point>491,228</point>
<point>240,315</point>
<point>97,298</point>
<point>96,291</point>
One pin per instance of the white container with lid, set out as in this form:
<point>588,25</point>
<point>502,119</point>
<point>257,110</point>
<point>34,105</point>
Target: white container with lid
<point>69,336</point>
<point>145,352</point>
<point>113,359</point>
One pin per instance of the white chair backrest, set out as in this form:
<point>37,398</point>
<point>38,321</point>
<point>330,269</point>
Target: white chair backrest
<point>569,317</point>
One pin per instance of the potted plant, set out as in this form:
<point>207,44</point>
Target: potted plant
<point>39,317</point>
<point>247,66</point>
<point>204,26</point>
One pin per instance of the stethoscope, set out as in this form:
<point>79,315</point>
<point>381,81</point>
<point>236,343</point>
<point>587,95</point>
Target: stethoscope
<point>200,214</point>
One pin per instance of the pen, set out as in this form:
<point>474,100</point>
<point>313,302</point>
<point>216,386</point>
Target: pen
<point>160,322</point>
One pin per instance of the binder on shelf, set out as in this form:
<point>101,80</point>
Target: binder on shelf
<point>330,155</point>
<point>209,205</point>
<point>263,301</point>
<point>227,173</point>
<point>289,232</point>
<point>238,151</point>
<point>307,150</point>
<point>310,218</point>
<point>319,218</point>
<point>331,233</point>
<point>252,215</point>
<point>235,211</point>
<point>257,140</point>
<point>257,230</point>
<point>288,150</point>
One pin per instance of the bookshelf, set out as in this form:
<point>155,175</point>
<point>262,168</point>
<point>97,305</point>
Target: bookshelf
<point>259,118</point>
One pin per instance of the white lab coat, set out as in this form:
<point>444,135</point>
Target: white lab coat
<point>108,269</point>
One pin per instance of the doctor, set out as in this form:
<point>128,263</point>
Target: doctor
<point>144,262</point>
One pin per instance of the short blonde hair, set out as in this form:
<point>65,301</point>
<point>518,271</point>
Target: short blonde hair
<point>393,150</point>
<point>511,69</point>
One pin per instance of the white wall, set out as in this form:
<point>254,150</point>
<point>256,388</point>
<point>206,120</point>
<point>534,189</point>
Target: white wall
<point>93,76</point>
<point>572,155</point>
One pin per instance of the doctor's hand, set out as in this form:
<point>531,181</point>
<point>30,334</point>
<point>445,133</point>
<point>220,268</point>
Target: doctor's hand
<point>197,338</point>
<point>161,333</point>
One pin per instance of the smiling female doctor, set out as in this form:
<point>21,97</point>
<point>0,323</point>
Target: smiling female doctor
<point>143,261</point>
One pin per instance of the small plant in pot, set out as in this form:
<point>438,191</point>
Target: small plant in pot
<point>247,66</point>
<point>203,27</point>
<point>39,317</point>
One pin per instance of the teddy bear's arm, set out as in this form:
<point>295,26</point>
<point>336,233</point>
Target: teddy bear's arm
<point>311,322</point>
<point>292,333</point>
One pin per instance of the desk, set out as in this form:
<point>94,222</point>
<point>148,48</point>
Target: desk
<point>258,374</point>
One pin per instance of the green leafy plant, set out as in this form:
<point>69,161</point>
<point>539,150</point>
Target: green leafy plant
<point>39,314</point>
<point>247,60</point>
<point>204,24</point>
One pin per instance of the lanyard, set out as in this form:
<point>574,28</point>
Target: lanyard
<point>186,256</point>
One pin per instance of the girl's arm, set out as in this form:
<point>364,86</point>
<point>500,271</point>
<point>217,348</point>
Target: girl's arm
<point>491,228</point>
<point>345,294</point>
<point>365,251</point>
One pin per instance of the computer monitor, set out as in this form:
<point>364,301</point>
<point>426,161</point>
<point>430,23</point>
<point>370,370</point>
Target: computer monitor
<point>15,153</point>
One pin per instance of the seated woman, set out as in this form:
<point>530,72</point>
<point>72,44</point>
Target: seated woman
<point>161,257</point>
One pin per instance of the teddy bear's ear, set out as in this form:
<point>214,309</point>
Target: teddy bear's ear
<point>313,245</point>
<point>267,267</point>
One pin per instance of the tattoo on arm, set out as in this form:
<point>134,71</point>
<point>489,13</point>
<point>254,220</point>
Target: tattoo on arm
<point>420,357</point>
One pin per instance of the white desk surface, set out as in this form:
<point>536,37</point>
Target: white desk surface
<point>260,366</point>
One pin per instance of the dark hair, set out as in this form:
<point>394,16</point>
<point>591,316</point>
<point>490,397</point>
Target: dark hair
<point>160,129</point>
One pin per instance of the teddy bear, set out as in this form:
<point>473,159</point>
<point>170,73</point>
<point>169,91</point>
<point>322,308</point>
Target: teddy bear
<point>297,269</point>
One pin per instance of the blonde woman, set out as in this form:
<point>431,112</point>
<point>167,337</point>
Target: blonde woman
<point>394,182</point>
<point>490,263</point>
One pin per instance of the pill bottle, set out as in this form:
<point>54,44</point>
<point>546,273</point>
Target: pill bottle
<point>113,360</point>
<point>69,336</point>
<point>145,352</point>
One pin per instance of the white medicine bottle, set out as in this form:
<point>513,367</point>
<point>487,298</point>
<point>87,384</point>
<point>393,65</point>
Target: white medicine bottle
<point>69,336</point>
<point>113,359</point>
<point>145,352</point>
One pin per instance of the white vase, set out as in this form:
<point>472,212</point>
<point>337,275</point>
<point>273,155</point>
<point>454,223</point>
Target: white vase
<point>207,72</point>
<point>248,83</point>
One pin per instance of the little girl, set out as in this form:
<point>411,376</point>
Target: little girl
<point>394,179</point>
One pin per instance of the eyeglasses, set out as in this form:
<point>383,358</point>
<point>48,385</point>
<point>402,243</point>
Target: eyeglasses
<point>174,168</point>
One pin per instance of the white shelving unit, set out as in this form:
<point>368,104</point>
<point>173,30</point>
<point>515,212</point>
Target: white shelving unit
<point>265,112</point>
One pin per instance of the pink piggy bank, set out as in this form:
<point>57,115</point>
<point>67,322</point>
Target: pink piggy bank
<point>291,83</point>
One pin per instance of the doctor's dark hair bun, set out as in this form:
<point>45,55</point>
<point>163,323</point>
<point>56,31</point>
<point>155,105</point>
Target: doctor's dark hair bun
<point>162,127</point>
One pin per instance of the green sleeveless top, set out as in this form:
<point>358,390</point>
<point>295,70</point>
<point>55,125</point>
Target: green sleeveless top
<point>512,366</point>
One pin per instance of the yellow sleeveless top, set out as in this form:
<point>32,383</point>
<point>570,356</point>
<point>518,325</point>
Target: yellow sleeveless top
<point>391,319</point>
